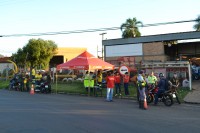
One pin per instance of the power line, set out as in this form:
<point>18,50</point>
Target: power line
<point>92,30</point>
<point>166,23</point>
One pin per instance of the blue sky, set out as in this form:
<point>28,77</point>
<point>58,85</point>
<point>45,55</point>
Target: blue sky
<point>36,16</point>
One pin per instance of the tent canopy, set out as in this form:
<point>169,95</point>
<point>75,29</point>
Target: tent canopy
<point>85,61</point>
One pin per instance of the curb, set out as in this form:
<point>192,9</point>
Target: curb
<point>191,102</point>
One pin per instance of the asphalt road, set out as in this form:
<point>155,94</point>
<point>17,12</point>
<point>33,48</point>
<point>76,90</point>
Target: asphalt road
<point>21,112</point>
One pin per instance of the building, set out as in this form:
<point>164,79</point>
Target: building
<point>65,54</point>
<point>5,64</point>
<point>152,49</point>
<point>157,48</point>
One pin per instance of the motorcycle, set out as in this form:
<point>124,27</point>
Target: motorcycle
<point>165,97</point>
<point>173,92</point>
<point>15,84</point>
<point>150,94</point>
<point>42,86</point>
<point>37,87</point>
<point>45,87</point>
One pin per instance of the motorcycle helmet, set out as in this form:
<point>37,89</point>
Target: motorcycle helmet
<point>141,72</point>
<point>161,75</point>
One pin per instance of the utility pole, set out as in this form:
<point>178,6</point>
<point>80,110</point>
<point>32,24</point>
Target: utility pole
<point>102,51</point>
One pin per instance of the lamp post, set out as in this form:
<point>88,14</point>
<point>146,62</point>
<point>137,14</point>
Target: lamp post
<point>102,51</point>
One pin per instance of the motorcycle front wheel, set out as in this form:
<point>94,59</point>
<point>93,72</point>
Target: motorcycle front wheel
<point>150,98</point>
<point>168,100</point>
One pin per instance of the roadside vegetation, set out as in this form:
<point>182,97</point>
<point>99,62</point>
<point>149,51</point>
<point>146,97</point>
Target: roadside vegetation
<point>4,84</point>
<point>182,92</point>
<point>77,88</point>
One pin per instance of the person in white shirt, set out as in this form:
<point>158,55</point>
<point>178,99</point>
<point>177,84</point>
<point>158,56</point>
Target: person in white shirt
<point>185,83</point>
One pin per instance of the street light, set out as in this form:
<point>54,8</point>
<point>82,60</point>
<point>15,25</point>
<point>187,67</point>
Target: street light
<point>102,34</point>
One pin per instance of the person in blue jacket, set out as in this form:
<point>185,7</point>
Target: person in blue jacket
<point>162,87</point>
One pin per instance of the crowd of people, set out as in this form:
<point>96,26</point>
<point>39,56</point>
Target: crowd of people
<point>22,81</point>
<point>142,81</point>
<point>112,80</point>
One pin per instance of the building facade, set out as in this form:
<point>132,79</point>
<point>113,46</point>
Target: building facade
<point>65,54</point>
<point>155,48</point>
<point>160,49</point>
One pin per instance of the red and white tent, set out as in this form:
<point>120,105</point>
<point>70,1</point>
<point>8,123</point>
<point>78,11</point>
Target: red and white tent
<point>85,61</point>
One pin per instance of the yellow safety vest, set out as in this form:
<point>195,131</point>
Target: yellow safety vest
<point>152,79</point>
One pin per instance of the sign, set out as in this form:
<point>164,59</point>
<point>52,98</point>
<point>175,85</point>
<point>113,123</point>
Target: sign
<point>123,70</point>
<point>124,50</point>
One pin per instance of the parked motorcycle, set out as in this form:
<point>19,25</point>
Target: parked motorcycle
<point>173,92</point>
<point>42,86</point>
<point>165,97</point>
<point>15,83</point>
<point>45,87</point>
<point>15,86</point>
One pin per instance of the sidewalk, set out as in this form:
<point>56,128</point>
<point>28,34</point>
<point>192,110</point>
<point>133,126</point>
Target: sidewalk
<point>194,96</point>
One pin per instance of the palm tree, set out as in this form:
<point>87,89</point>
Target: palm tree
<point>130,28</point>
<point>197,25</point>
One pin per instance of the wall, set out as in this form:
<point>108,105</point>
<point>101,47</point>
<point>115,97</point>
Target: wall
<point>151,52</point>
<point>154,52</point>
<point>5,65</point>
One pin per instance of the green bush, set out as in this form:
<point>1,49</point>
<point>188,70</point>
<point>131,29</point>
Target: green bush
<point>4,84</point>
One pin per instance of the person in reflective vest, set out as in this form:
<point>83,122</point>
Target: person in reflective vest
<point>91,81</point>
<point>33,73</point>
<point>141,88</point>
<point>38,76</point>
<point>86,81</point>
<point>99,77</point>
<point>152,80</point>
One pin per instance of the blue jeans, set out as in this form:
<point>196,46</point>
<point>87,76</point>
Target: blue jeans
<point>157,94</point>
<point>109,94</point>
<point>117,88</point>
<point>126,89</point>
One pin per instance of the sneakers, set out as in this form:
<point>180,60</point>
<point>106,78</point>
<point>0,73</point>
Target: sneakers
<point>109,100</point>
<point>118,94</point>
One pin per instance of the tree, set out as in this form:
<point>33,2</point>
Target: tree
<point>19,57</point>
<point>130,28</point>
<point>37,52</point>
<point>197,25</point>
<point>40,52</point>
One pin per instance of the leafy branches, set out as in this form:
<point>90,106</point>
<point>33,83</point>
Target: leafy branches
<point>36,52</point>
